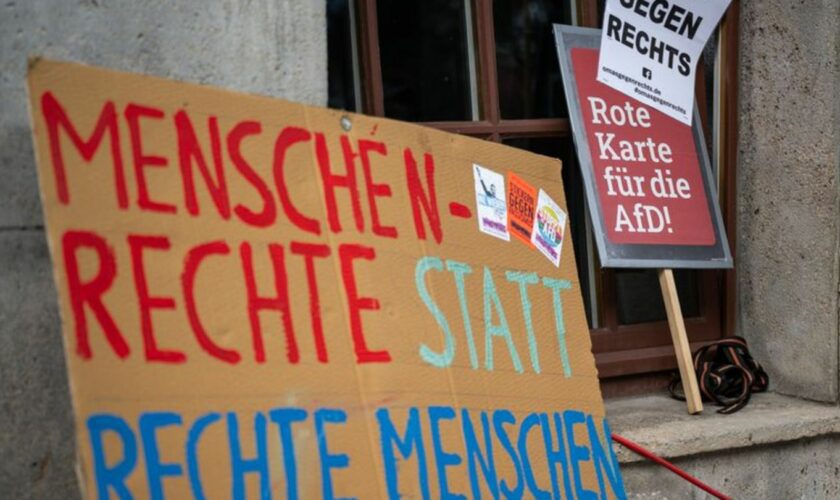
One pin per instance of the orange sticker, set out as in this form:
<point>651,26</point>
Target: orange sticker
<point>522,201</point>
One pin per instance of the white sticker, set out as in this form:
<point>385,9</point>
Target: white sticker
<point>549,226</point>
<point>650,50</point>
<point>491,202</point>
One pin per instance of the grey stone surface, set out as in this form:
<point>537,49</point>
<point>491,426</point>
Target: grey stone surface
<point>805,469</point>
<point>36,420</point>
<point>776,447</point>
<point>275,48</point>
<point>662,425</point>
<point>788,194</point>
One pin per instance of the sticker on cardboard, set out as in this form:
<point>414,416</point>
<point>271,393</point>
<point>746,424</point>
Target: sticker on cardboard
<point>491,202</point>
<point>549,226</point>
<point>522,201</point>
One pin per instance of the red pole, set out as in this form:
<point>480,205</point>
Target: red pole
<point>643,452</point>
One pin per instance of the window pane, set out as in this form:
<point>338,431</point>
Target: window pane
<point>639,298</point>
<point>602,5</point>
<point>426,56</point>
<point>341,66</point>
<point>526,59</point>
<point>561,148</point>
<point>708,61</point>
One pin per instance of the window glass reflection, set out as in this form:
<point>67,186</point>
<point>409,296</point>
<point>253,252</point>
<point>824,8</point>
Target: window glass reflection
<point>426,59</point>
<point>530,85</point>
<point>341,67</point>
<point>639,296</point>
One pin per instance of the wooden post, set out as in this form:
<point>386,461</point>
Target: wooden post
<point>680,340</point>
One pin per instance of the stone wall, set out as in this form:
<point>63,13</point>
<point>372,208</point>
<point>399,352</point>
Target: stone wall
<point>798,469</point>
<point>788,219</point>
<point>273,48</point>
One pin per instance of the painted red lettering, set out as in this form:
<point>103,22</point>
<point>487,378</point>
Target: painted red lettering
<point>91,292</point>
<point>268,214</point>
<point>375,190</point>
<point>138,244</point>
<point>356,304</point>
<point>310,252</point>
<point>191,264</point>
<point>423,199</point>
<point>287,138</point>
<point>278,303</point>
<point>133,113</point>
<point>56,120</point>
<point>332,181</point>
<point>189,152</point>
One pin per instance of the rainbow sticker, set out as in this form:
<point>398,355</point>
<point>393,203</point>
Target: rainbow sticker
<point>549,226</point>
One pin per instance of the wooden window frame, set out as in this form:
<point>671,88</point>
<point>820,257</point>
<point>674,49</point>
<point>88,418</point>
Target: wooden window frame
<point>622,352</point>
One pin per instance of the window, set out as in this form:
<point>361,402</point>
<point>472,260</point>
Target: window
<point>488,69</point>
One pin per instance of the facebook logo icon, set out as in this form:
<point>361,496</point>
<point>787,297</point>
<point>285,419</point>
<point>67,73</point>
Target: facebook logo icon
<point>647,73</point>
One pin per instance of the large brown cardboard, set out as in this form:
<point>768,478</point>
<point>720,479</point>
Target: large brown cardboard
<point>173,393</point>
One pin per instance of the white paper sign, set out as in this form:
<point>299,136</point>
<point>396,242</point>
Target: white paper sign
<point>650,49</point>
<point>549,227</point>
<point>491,203</point>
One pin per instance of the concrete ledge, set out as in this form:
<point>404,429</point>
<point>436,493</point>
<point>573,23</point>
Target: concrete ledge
<point>662,425</point>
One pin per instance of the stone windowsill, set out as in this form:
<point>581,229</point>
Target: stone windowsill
<point>662,425</point>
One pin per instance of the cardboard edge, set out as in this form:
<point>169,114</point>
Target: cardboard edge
<point>36,65</point>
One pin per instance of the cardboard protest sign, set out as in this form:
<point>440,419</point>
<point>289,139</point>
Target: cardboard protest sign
<point>261,298</point>
<point>650,50</point>
<point>648,182</point>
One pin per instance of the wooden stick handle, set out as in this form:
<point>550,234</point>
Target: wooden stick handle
<point>680,340</point>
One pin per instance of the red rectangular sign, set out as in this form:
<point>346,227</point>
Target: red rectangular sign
<point>645,166</point>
